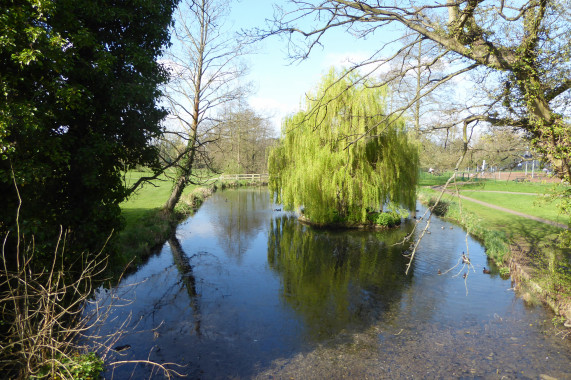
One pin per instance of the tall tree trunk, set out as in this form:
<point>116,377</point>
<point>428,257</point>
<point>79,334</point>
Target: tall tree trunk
<point>551,135</point>
<point>185,169</point>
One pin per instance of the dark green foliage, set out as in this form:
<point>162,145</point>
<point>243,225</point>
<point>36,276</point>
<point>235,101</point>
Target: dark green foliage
<point>80,82</point>
<point>439,209</point>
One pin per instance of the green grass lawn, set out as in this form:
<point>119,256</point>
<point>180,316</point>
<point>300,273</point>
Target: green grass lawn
<point>426,179</point>
<point>534,205</point>
<point>516,187</point>
<point>146,225</point>
<point>147,197</point>
<point>511,224</point>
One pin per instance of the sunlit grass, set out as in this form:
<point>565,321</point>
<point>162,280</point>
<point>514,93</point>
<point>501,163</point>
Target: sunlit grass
<point>148,197</point>
<point>426,179</point>
<point>516,187</point>
<point>487,190</point>
<point>533,205</point>
<point>146,225</point>
<point>512,224</point>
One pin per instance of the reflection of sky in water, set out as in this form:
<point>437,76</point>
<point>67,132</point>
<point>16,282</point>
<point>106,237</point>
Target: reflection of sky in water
<point>222,308</point>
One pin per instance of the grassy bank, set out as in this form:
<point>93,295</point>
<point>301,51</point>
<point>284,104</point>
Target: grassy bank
<point>526,247</point>
<point>147,225</point>
<point>474,220</point>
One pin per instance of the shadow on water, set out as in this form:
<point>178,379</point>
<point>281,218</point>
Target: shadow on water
<point>244,291</point>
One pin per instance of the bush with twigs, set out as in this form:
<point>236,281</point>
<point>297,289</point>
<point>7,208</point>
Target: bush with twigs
<point>41,315</point>
<point>45,331</point>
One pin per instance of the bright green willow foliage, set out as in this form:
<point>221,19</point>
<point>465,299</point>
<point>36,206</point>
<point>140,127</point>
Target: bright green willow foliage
<point>320,166</point>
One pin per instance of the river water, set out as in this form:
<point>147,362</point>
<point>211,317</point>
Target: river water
<point>246,291</point>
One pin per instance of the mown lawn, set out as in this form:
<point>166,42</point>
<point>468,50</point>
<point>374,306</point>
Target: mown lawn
<point>512,225</point>
<point>534,205</point>
<point>516,187</point>
<point>148,197</point>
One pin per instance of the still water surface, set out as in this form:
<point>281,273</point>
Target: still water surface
<point>245,291</point>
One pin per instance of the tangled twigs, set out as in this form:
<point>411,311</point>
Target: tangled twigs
<point>43,323</point>
<point>41,310</point>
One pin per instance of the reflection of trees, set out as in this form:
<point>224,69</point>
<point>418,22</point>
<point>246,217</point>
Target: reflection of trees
<point>337,279</point>
<point>184,267</point>
<point>239,216</point>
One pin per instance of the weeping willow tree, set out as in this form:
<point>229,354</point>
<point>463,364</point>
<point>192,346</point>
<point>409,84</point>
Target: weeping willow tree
<point>325,167</point>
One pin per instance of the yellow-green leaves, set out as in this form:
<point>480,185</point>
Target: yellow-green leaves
<point>342,157</point>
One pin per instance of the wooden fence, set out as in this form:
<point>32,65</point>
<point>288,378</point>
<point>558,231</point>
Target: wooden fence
<point>244,177</point>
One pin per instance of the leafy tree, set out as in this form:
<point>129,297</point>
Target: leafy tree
<point>80,82</point>
<point>340,158</point>
<point>500,147</point>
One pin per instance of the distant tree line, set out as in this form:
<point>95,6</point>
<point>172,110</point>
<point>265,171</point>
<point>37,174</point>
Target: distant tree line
<point>241,142</point>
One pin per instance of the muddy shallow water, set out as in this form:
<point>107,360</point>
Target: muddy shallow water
<point>246,291</point>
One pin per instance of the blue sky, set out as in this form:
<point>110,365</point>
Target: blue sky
<point>280,84</point>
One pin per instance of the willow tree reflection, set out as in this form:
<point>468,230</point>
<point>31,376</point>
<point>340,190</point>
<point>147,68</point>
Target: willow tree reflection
<point>239,217</point>
<point>337,279</point>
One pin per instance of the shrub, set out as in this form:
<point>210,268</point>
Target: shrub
<point>387,219</point>
<point>41,316</point>
<point>439,209</point>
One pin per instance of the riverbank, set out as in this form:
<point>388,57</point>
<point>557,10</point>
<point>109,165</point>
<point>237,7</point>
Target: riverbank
<point>525,248</point>
<point>148,226</point>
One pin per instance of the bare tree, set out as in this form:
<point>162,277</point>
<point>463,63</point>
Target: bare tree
<point>500,147</point>
<point>413,73</point>
<point>206,72</point>
<point>517,52</point>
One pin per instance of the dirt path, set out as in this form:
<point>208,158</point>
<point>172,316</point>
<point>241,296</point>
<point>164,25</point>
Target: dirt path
<point>499,208</point>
